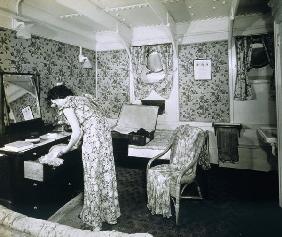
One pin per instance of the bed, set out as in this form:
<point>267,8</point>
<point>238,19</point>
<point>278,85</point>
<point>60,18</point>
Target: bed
<point>154,147</point>
<point>18,225</point>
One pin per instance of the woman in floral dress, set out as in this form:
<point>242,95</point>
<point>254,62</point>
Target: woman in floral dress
<point>100,186</point>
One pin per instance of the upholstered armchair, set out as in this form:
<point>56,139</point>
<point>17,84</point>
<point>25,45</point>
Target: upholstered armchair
<point>188,145</point>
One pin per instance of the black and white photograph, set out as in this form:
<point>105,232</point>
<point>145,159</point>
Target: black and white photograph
<point>140,118</point>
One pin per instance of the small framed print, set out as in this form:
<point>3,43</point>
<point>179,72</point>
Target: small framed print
<point>202,69</point>
<point>27,113</point>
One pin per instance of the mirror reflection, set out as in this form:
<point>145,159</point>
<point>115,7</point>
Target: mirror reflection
<point>21,97</point>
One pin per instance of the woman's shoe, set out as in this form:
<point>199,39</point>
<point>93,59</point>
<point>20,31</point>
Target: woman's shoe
<point>112,222</point>
<point>97,228</point>
<point>84,226</point>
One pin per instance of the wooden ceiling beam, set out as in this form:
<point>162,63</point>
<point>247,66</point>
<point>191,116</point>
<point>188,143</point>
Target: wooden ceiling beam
<point>98,16</point>
<point>125,36</point>
<point>276,6</point>
<point>32,14</point>
<point>41,16</point>
<point>233,9</point>
<point>90,10</point>
<point>166,19</point>
<point>188,8</point>
<point>232,54</point>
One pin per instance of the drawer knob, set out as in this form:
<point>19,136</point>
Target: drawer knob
<point>34,184</point>
<point>69,184</point>
<point>34,153</point>
<point>35,207</point>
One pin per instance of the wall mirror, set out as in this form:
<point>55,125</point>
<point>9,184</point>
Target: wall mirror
<point>20,97</point>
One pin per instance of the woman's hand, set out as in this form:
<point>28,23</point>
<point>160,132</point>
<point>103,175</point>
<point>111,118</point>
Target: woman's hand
<point>57,150</point>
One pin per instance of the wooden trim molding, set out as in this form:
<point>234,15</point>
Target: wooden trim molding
<point>278,84</point>
<point>276,6</point>
<point>2,124</point>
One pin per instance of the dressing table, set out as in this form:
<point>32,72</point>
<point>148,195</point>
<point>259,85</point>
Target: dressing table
<point>26,185</point>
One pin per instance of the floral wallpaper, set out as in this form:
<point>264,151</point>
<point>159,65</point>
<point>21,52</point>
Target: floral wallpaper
<point>206,100</point>
<point>52,60</point>
<point>55,61</point>
<point>112,80</point>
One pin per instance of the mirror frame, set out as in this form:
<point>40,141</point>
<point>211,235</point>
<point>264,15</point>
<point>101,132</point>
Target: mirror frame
<point>35,78</point>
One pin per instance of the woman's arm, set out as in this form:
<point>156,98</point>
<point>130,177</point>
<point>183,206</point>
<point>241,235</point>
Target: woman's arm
<point>75,135</point>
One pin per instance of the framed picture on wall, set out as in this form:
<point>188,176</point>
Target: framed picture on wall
<point>202,69</point>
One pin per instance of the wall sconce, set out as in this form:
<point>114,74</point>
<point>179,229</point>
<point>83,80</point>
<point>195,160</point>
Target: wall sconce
<point>82,59</point>
<point>22,29</point>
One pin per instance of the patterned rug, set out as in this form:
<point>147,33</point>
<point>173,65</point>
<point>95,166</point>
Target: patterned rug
<point>237,203</point>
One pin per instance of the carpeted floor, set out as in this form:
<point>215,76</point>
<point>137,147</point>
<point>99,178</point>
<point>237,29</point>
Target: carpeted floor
<point>237,203</point>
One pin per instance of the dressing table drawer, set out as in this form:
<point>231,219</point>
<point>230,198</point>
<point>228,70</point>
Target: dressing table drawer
<point>36,196</point>
<point>33,170</point>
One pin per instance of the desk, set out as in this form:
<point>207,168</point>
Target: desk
<point>58,184</point>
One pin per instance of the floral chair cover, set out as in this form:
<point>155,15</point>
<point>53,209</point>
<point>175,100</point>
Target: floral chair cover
<point>188,148</point>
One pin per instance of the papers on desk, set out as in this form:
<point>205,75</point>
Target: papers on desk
<point>21,146</point>
<point>53,136</point>
<point>18,146</point>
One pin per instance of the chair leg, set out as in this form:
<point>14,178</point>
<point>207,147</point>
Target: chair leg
<point>199,190</point>
<point>177,206</point>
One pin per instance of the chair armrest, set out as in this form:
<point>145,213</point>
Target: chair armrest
<point>158,156</point>
<point>184,171</point>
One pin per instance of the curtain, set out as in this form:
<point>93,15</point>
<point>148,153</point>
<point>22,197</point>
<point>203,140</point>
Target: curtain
<point>243,87</point>
<point>163,87</point>
<point>268,44</point>
<point>138,65</point>
<point>138,62</point>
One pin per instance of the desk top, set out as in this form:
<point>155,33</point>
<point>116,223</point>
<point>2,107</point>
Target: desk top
<point>44,139</point>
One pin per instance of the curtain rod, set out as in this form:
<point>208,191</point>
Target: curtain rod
<point>150,44</point>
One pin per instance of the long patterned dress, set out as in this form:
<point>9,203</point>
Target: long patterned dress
<point>100,185</point>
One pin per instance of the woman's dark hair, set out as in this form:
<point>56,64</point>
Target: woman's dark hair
<point>58,92</point>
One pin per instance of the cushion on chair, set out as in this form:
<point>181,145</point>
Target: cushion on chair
<point>187,146</point>
<point>158,191</point>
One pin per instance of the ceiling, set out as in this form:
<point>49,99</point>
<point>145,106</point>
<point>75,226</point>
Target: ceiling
<point>138,12</point>
<point>87,17</point>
